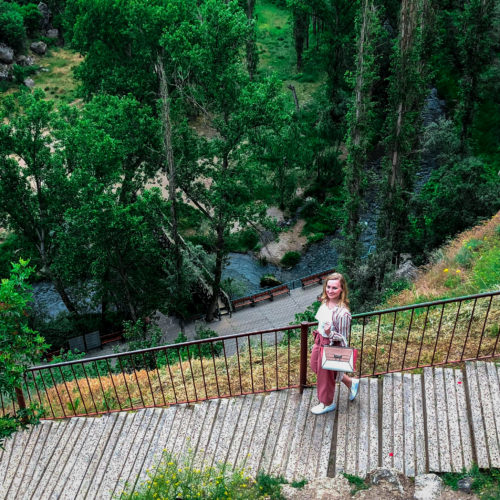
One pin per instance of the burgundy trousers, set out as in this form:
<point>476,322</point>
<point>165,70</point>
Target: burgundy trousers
<point>325,384</point>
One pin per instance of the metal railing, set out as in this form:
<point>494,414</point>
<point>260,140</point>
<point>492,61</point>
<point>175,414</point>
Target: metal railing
<point>404,338</point>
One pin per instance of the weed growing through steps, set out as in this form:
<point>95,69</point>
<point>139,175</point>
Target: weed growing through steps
<point>180,478</point>
<point>356,482</point>
<point>486,483</point>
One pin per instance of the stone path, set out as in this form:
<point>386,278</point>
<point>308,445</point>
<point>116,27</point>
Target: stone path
<point>442,420</point>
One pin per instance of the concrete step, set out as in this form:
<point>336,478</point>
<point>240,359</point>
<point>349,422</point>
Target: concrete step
<point>137,451</point>
<point>34,458</point>
<point>295,454</point>
<point>103,457</point>
<point>442,420</point>
<point>59,458</point>
<point>82,467</point>
<point>484,421</point>
<point>12,457</point>
<point>121,453</point>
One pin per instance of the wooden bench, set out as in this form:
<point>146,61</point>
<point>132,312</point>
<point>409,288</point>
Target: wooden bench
<point>251,300</point>
<point>315,278</point>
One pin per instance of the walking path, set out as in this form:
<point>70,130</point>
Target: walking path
<point>442,420</point>
<point>263,316</point>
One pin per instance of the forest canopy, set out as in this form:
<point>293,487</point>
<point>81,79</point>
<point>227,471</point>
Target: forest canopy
<point>346,113</point>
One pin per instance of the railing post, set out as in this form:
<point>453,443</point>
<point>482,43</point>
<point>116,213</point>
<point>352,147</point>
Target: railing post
<point>304,330</point>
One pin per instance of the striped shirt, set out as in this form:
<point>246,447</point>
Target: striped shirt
<point>339,317</point>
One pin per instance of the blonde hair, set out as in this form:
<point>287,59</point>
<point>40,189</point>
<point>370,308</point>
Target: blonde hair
<point>344,295</point>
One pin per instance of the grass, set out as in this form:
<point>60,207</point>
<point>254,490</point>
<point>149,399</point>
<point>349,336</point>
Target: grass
<point>486,483</point>
<point>467,265</point>
<point>277,52</point>
<point>56,77</point>
<point>356,482</point>
<point>187,479</point>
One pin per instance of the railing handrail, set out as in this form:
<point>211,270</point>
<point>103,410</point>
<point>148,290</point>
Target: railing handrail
<point>258,332</point>
<point>201,369</point>
<point>426,304</point>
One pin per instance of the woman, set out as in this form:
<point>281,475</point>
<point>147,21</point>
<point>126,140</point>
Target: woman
<point>334,323</point>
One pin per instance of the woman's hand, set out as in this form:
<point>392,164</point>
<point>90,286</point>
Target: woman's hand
<point>327,327</point>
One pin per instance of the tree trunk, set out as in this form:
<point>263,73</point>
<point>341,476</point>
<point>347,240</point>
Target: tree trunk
<point>170,169</point>
<point>219,260</point>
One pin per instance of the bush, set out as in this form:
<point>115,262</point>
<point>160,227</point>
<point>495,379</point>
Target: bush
<point>32,17</point>
<point>290,259</point>
<point>242,241</point>
<point>12,30</point>
<point>20,73</point>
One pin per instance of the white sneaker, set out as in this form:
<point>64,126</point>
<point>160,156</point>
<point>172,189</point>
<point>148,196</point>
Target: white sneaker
<point>321,408</point>
<point>354,389</point>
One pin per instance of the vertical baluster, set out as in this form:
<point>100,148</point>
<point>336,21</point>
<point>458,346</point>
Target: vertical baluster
<point>239,365</point>
<point>227,368</point>
<point>362,347</point>
<point>263,363</point>
<point>215,369</point>
<point>25,378</point>
<point>46,395</point>
<point>137,380</point>
<point>67,390</point>
<point>437,334</point>
<point>114,386</point>
<point>276,357</point>
<point>90,388</point>
<point>288,349</point>
<point>126,385</point>
<point>57,392</point>
<point>192,374</point>
<point>423,336</point>
<point>36,387</point>
<point>407,339</point>
<point>484,326</point>
<point>182,373</point>
<point>250,359</point>
<point>159,377</point>
<point>376,345</point>
<point>79,390</point>
<point>468,329</point>
<point>149,379</point>
<point>202,371</point>
<point>453,331</point>
<point>102,387</point>
<point>392,340</point>
<point>171,377</point>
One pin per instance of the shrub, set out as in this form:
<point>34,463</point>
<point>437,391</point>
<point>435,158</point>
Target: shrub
<point>290,259</point>
<point>32,17</point>
<point>12,30</point>
<point>20,73</point>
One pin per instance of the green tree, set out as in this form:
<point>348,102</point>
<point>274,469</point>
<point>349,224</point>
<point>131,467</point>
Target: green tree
<point>359,139</point>
<point>475,36</point>
<point>111,237</point>
<point>33,183</point>
<point>223,184</point>
<point>12,31</point>
<point>406,96</point>
<point>21,347</point>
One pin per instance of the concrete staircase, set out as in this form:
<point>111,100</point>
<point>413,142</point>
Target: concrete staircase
<point>441,420</point>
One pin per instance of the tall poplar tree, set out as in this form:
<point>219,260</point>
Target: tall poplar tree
<point>406,93</point>
<point>360,134</point>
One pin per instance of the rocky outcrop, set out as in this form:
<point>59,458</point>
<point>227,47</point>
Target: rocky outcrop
<point>46,16</point>
<point>39,48</point>
<point>25,60</point>
<point>6,54</point>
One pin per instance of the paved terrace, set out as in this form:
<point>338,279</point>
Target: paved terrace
<point>263,316</point>
<point>442,420</point>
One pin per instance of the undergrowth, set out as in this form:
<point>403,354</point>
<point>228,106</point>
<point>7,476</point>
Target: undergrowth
<point>186,478</point>
<point>485,483</point>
